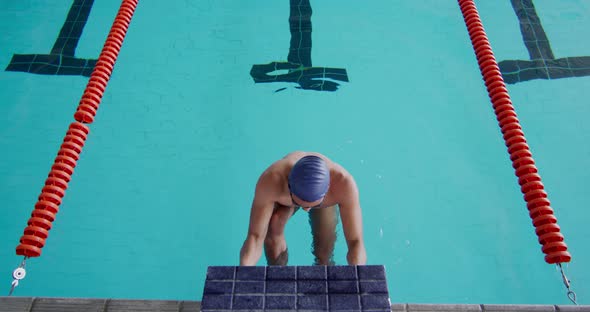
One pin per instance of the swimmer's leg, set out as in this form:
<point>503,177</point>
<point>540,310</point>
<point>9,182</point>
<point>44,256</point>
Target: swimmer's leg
<point>323,223</point>
<point>275,246</point>
<point>281,259</point>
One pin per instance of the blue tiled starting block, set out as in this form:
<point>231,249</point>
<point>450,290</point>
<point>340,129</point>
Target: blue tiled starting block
<point>296,288</point>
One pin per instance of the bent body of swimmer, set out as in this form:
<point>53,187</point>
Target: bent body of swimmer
<point>315,184</point>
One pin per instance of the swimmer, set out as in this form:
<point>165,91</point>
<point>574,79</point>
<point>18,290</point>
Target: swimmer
<point>313,183</point>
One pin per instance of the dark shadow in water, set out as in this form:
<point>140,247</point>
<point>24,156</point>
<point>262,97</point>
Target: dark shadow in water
<point>61,60</point>
<point>542,63</point>
<point>298,66</point>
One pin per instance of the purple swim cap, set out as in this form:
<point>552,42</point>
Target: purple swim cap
<point>309,178</point>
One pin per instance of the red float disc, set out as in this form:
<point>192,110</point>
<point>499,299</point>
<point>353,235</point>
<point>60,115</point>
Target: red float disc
<point>558,257</point>
<point>32,240</point>
<point>28,251</point>
<point>47,205</point>
<point>40,222</point>
<point>36,231</point>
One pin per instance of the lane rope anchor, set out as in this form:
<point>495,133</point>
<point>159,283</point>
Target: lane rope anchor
<point>18,274</point>
<point>570,293</point>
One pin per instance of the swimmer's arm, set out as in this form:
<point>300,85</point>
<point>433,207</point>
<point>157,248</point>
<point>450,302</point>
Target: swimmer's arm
<point>261,211</point>
<point>352,223</point>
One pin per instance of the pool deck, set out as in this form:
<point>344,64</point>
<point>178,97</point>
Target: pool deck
<point>42,304</point>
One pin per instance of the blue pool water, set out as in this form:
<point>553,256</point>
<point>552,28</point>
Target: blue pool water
<point>165,182</point>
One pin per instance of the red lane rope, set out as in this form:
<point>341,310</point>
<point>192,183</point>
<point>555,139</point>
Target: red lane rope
<point>53,191</point>
<point>104,66</point>
<point>547,230</point>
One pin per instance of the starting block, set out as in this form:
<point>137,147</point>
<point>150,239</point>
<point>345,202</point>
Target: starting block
<point>296,288</point>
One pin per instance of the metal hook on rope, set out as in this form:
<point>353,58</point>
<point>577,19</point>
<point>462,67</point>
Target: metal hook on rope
<point>570,294</point>
<point>17,275</point>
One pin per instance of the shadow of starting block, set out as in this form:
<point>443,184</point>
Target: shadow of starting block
<point>296,288</point>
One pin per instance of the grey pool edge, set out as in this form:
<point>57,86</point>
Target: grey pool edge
<point>40,304</point>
